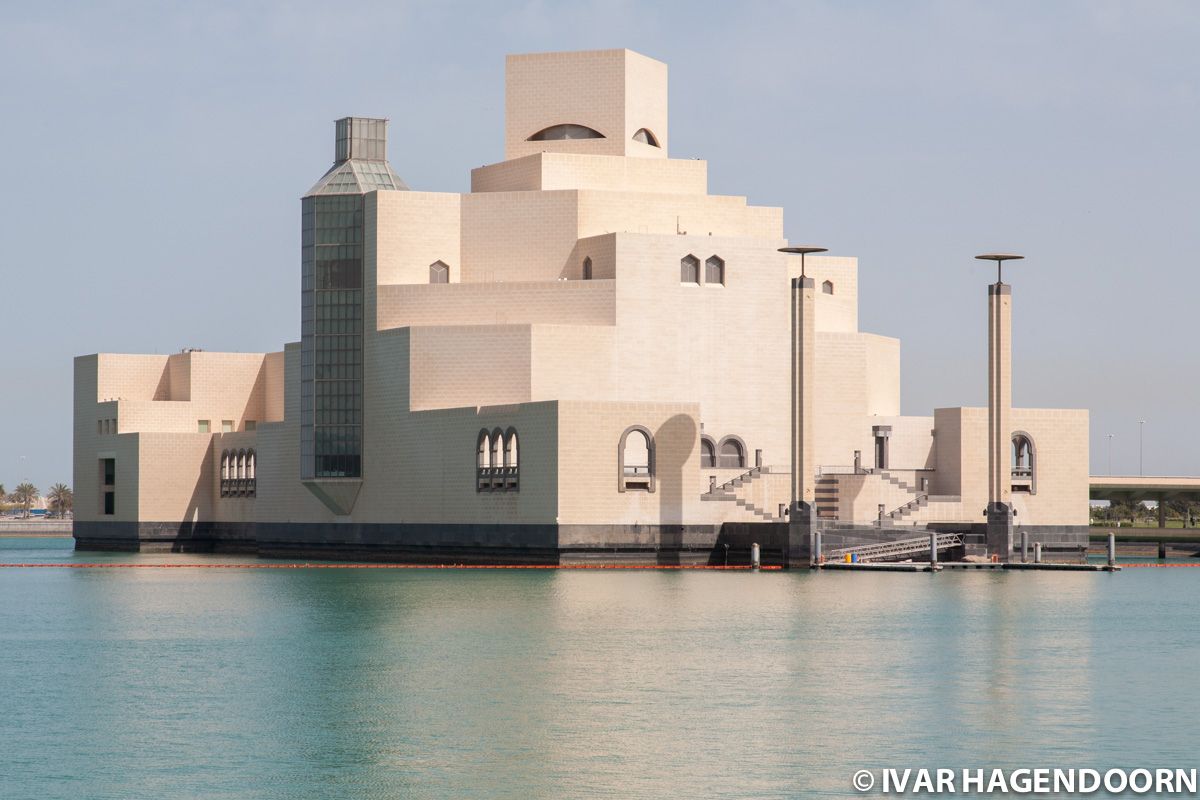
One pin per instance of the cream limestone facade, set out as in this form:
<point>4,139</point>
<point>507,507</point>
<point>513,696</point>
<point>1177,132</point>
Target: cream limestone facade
<point>587,356</point>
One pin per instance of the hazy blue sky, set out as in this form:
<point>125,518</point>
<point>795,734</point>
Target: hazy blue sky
<point>155,156</point>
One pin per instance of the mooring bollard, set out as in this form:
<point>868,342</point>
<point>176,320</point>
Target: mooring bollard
<point>755,560</point>
<point>817,547</point>
<point>1112,549</point>
<point>1037,552</point>
<point>1024,546</point>
<point>933,549</point>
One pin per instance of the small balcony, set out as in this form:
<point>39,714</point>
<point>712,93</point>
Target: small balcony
<point>497,479</point>
<point>239,487</point>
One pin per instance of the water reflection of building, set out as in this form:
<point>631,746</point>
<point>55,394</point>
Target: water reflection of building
<point>587,351</point>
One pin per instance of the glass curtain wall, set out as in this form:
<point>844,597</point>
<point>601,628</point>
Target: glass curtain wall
<point>331,337</point>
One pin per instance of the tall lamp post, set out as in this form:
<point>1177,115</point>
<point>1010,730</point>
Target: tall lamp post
<point>802,519</point>
<point>1141,428</point>
<point>999,509</point>
<point>1110,438</point>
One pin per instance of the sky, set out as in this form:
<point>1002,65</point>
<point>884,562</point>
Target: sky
<point>157,153</point>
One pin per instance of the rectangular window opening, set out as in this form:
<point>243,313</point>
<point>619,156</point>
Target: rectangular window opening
<point>202,426</point>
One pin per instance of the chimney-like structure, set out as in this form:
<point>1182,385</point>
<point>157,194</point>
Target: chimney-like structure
<point>360,137</point>
<point>802,518</point>
<point>999,508</point>
<point>804,298</point>
<point>332,271</point>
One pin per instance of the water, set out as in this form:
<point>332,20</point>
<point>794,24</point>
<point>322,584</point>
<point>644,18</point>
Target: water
<point>543,684</point>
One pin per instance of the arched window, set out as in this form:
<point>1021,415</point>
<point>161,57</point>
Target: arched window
<point>512,473</point>
<point>827,287</point>
<point>251,467</point>
<point>510,448</point>
<point>485,451</point>
<point>497,454</point>
<point>587,268</point>
<point>708,453</point>
<point>714,271</point>
<point>241,464</point>
<point>439,272</point>
<point>645,137</point>
<point>635,460</point>
<point>1024,463</point>
<point>225,465</point>
<point>732,453</point>
<point>568,131</point>
<point>689,269</point>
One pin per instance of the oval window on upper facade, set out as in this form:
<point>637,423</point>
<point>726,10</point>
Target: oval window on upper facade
<point>568,131</point>
<point>645,137</point>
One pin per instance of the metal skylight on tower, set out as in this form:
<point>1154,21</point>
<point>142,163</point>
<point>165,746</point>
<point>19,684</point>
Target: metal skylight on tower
<point>360,164</point>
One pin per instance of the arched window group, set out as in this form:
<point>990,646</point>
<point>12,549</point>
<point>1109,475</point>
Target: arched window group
<point>731,453</point>
<point>635,460</point>
<point>713,274</point>
<point>728,453</point>
<point>239,473</point>
<point>497,461</point>
<point>1024,463</point>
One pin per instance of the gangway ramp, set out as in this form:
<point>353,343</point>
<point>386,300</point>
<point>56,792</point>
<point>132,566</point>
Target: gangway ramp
<point>897,550</point>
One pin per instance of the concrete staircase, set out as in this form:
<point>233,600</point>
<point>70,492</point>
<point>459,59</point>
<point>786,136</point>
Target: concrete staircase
<point>729,492</point>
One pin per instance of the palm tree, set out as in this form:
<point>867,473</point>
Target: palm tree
<point>24,496</point>
<point>60,498</point>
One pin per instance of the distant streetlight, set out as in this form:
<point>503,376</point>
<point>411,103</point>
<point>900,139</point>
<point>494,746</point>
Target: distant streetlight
<point>802,251</point>
<point>1110,438</point>
<point>1141,424</point>
<point>999,258</point>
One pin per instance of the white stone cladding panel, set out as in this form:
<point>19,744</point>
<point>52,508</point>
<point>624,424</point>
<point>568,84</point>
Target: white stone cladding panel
<point>517,236</point>
<point>614,92</point>
<point>280,497</point>
<point>174,477</point>
<point>1060,438</point>
<point>549,302</point>
<point>674,343</point>
<point>411,231</point>
<point>589,435</point>
<point>695,215</point>
<point>453,367</point>
<point>548,171</point>
<point>837,312</point>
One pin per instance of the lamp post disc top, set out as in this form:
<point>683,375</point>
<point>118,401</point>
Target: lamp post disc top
<point>803,250</point>
<point>999,258</point>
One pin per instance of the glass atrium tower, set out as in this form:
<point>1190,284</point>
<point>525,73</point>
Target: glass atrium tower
<point>331,294</point>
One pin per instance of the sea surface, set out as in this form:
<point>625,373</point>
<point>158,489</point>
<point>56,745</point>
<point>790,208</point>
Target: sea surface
<point>317,683</point>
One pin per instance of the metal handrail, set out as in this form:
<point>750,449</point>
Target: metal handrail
<point>900,547</point>
<point>916,501</point>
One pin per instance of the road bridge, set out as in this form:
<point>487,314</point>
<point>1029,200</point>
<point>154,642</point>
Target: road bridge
<point>1160,489</point>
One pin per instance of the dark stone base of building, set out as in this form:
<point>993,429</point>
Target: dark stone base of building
<point>664,545</point>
